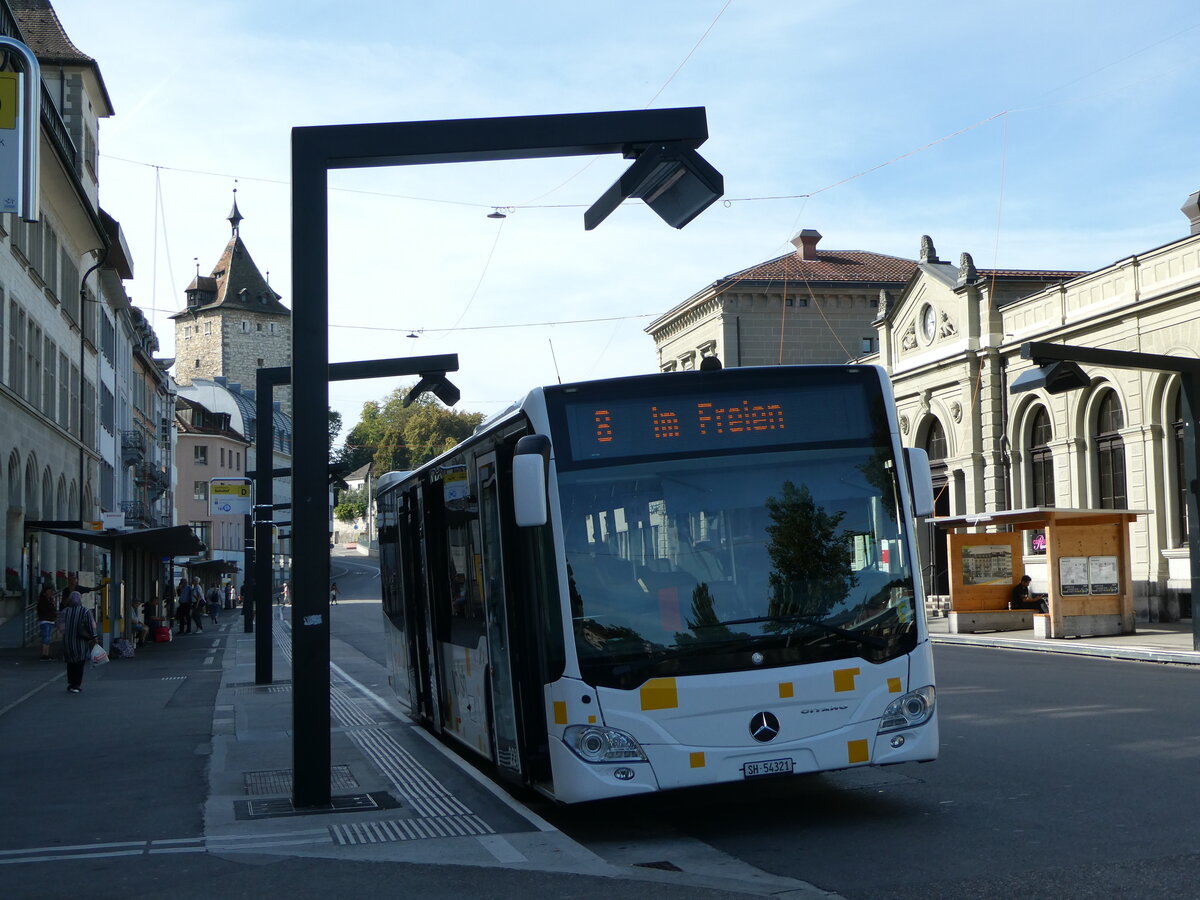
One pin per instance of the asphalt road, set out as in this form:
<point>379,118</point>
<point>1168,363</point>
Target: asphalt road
<point>1059,776</point>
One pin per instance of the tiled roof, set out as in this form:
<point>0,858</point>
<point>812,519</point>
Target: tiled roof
<point>44,34</point>
<point>234,273</point>
<point>830,265</point>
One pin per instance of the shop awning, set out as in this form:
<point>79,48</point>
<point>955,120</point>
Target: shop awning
<point>175,540</point>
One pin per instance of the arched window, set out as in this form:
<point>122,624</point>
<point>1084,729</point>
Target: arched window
<point>1110,454</point>
<point>935,442</point>
<point>1041,463</point>
<point>1181,491</point>
<point>935,447</point>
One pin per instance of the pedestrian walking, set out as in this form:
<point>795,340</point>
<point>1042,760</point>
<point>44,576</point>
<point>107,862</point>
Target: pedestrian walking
<point>214,604</point>
<point>183,612</point>
<point>198,605</point>
<point>78,628</point>
<point>284,597</point>
<point>333,594</point>
<point>47,613</point>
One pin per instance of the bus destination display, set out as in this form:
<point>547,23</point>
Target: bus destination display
<point>722,422</point>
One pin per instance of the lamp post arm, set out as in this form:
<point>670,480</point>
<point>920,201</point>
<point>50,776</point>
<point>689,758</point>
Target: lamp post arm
<point>1043,352</point>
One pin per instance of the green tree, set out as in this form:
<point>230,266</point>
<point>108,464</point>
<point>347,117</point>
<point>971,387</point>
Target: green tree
<point>812,562</point>
<point>351,505</point>
<point>394,438</point>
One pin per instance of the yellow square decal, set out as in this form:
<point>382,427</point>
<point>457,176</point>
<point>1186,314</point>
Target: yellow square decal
<point>697,760</point>
<point>660,693</point>
<point>843,679</point>
<point>857,752</point>
<point>895,686</point>
<point>591,720</point>
<point>786,690</point>
<point>560,712</point>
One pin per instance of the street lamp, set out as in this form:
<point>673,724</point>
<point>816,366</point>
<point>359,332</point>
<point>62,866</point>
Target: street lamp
<point>675,182</point>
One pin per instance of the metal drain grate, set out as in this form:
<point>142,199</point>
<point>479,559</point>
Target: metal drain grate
<point>279,781</point>
<point>278,807</point>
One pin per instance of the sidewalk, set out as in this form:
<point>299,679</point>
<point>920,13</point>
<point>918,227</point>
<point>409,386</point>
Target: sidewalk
<point>173,771</point>
<point>1160,642</point>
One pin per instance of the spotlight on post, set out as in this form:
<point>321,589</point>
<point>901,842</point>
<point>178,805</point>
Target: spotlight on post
<point>1053,377</point>
<point>674,181</point>
<point>439,385</point>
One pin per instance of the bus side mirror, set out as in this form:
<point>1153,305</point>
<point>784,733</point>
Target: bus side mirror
<point>531,463</point>
<point>920,481</point>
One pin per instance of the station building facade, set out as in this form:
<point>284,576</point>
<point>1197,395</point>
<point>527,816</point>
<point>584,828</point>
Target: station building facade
<point>950,337</point>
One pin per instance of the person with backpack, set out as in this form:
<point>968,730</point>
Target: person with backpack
<point>214,603</point>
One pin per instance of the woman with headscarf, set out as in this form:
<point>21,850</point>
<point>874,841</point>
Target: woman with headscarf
<point>78,629</point>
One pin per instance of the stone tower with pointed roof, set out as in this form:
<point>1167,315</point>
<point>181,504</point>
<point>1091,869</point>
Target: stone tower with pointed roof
<point>233,323</point>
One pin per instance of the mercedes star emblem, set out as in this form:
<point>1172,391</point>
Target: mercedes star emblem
<point>764,727</point>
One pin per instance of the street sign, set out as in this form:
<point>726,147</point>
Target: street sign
<point>10,141</point>
<point>229,496</point>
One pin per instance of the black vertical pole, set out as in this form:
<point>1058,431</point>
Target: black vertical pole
<point>247,590</point>
<point>310,468</point>
<point>264,500</point>
<point>1189,387</point>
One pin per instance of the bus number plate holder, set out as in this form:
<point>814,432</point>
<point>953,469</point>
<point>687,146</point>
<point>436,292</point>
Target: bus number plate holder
<point>768,767</point>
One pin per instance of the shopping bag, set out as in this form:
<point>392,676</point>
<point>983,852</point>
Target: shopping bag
<point>123,649</point>
<point>98,656</point>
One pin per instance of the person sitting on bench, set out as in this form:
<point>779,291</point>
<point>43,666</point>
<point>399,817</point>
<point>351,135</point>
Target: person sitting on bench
<point>1022,598</point>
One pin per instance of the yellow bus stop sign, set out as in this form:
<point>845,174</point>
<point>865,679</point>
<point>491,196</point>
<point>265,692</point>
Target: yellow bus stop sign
<point>10,100</point>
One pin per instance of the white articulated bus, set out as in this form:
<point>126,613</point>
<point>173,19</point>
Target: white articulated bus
<point>654,582</point>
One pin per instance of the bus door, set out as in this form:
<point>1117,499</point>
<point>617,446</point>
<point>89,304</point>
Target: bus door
<point>421,677</point>
<point>500,675</point>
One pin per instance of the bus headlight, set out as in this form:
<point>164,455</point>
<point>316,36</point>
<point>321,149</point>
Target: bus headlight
<point>913,709</point>
<point>594,743</point>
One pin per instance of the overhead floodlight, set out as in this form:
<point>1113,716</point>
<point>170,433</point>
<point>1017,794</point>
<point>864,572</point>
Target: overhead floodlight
<point>674,181</point>
<point>1054,378</point>
<point>439,385</point>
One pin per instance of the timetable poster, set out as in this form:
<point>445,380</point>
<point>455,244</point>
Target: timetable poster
<point>1073,576</point>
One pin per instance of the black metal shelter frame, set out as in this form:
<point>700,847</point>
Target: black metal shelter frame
<point>316,150</point>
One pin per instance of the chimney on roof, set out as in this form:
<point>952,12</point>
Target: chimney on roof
<point>1191,209</point>
<point>806,243</point>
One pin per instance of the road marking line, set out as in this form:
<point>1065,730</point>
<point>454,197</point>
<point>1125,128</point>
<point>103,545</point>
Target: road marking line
<point>38,859</point>
<point>22,699</point>
<point>60,849</point>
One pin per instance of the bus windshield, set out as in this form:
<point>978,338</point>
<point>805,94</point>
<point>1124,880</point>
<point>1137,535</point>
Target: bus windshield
<point>738,561</point>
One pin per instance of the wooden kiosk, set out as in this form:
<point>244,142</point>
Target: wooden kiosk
<point>1089,588</point>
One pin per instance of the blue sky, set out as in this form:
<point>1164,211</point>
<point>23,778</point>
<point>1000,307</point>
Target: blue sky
<point>1055,135</point>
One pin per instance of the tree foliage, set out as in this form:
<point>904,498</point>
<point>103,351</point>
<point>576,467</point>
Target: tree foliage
<point>812,561</point>
<point>393,438</point>
<point>351,505</point>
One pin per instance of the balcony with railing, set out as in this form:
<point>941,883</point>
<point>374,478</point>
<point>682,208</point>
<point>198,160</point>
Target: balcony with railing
<point>137,514</point>
<point>152,478</point>
<point>133,447</point>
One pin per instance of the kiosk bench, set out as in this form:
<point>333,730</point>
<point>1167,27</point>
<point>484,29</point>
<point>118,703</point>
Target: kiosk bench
<point>968,621</point>
<point>1085,566</point>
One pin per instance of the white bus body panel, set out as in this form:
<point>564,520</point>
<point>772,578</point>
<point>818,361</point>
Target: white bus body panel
<point>695,729</point>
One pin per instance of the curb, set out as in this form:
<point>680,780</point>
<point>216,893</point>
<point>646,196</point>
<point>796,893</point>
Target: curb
<point>1131,654</point>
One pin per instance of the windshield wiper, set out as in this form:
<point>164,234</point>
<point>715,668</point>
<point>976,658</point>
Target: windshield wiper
<point>868,639</point>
